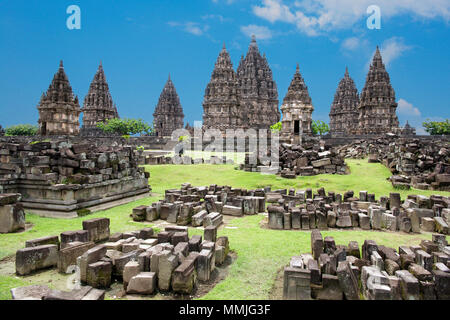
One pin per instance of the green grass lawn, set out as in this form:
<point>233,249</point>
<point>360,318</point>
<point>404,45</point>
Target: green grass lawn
<point>261,252</point>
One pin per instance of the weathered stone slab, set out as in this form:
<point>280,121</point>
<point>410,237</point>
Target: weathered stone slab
<point>98,229</point>
<point>36,258</point>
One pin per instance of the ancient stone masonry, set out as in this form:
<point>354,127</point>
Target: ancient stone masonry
<point>202,206</point>
<point>221,108</point>
<point>376,272</point>
<point>58,109</point>
<point>421,164</point>
<point>303,210</point>
<point>143,261</point>
<point>310,158</point>
<point>297,110</point>
<point>12,216</point>
<point>168,115</point>
<point>377,108</point>
<point>259,94</point>
<point>2,131</point>
<point>244,99</point>
<point>59,178</point>
<point>344,109</point>
<point>98,104</point>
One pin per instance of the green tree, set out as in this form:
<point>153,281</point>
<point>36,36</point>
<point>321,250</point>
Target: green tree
<point>125,126</point>
<point>276,127</point>
<point>22,130</point>
<point>437,127</point>
<point>319,127</point>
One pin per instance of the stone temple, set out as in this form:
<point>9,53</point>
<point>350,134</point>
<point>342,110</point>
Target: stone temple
<point>377,108</point>
<point>221,107</point>
<point>98,104</point>
<point>244,99</point>
<point>59,109</point>
<point>168,115</point>
<point>344,109</point>
<point>258,91</point>
<point>297,110</point>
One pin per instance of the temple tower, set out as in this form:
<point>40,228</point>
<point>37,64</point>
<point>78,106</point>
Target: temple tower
<point>168,115</point>
<point>344,109</point>
<point>221,109</point>
<point>377,109</point>
<point>297,110</point>
<point>258,91</point>
<point>59,110</point>
<point>98,104</point>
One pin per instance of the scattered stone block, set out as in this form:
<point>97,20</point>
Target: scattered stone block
<point>32,259</point>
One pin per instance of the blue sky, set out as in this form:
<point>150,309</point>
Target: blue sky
<point>141,42</point>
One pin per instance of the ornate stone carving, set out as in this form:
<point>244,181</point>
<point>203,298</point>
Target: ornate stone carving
<point>168,115</point>
<point>98,104</point>
<point>344,109</point>
<point>297,110</point>
<point>221,107</point>
<point>377,109</point>
<point>258,91</point>
<point>59,110</point>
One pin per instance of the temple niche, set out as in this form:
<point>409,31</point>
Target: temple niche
<point>59,110</point>
<point>168,115</point>
<point>344,109</point>
<point>377,108</point>
<point>297,110</point>
<point>98,104</point>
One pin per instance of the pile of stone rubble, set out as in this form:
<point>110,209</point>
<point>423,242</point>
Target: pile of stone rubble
<point>203,205</point>
<point>338,272</point>
<point>143,261</point>
<point>422,164</point>
<point>303,210</point>
<point>12,216</point>
<point>187,160</point>
<point>61,176</point>
<point>309,159</point>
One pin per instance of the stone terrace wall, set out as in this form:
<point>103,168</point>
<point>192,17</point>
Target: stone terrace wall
<point>58,178</point>
<point>338,272</point>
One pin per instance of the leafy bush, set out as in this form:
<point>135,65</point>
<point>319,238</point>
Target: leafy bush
<point>140,148</point>
<point>125,126</point>
<point>276,127</point>
<point>319,127</point>
<point>436,127</point>
<point>22,130</point>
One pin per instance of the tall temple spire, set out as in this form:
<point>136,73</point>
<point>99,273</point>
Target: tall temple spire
<point>58,107</point>
<point>377,109</point>
<point>344,109</point>
<point>168,115</point>
<point>98,104</point>
<point>259,94</point>
<point>221,109</point>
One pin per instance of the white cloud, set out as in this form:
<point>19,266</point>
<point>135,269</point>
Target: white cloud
<point>406,108</point>
<point>392,49</point>
<point>217,17</point>
<point>352,43</point>
<point>190,27</point>
<point>260,32</point>
<point>313,17</point>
